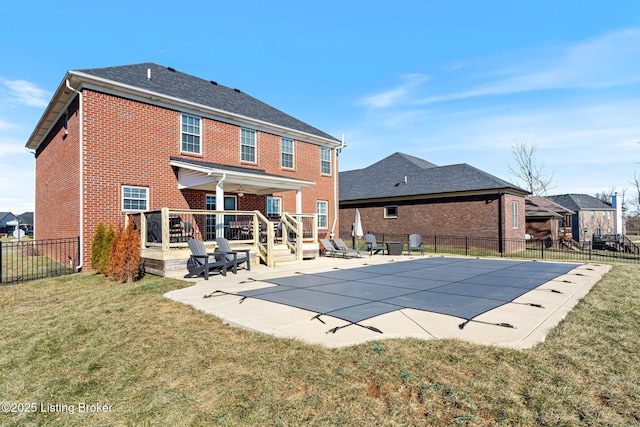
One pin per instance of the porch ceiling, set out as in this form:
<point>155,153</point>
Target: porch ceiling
<point>205,176</point>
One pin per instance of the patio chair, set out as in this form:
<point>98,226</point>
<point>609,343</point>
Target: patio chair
<point>372,246</point>
<point>330,250</point>
<point>339,243</point>
<point>234,256</point>
<point>202,262</point>
<point>415,244</point>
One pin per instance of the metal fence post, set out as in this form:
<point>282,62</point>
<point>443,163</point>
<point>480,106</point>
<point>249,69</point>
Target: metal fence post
<point>0,263</point>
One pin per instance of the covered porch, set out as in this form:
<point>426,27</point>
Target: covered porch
<point>274,237</point>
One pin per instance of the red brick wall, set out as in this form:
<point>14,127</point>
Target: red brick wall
<point>57,187</point>
<point>129,143</point>
<point>462,216</point>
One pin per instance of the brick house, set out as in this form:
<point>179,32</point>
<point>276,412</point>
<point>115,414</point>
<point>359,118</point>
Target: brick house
<point>140,138</point>
<point>547,220</point>
<point>591,216</point>
<point>402,195</point>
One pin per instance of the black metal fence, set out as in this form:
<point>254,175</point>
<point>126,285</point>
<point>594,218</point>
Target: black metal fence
<point>552,250</point>
<point>36,259</point>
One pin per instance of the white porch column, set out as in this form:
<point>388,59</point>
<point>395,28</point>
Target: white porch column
<point>220,207</point>
<point>299,201</point>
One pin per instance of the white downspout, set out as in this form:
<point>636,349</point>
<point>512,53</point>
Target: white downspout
<point>81,174</point>
<point>335,190</point>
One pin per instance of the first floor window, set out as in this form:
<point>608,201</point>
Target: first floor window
<point>515,209</point>
<point>135,198</point>
<point>248,145</point>
<point>391,212</point>
<point>190,134</point>
<point>322,210</point>
<point>287,153</point>
<point>274,206</point>
<point>325,161</point>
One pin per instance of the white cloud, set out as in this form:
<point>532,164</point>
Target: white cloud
<point>396,95</point>
<point>609,60</point>
<point>27,93</point>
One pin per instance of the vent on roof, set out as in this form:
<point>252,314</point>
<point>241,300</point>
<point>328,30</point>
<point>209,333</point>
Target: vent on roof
<point>237,90</point>
<point>213,83</point>
<point>171,69</point>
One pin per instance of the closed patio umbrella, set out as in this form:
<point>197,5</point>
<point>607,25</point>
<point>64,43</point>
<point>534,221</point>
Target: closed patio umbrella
<point>356,232</point>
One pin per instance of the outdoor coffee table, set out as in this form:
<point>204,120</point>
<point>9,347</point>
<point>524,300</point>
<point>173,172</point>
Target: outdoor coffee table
<point>394,248</point>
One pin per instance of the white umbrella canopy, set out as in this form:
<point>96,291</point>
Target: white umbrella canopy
<point>357,226</point>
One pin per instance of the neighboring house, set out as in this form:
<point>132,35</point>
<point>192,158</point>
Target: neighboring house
<point>26,222</point>
<point>6,217</point>
<point>547,219</point>
<point>402,194</point>
<point>592,216</point>
<point>143,137</point>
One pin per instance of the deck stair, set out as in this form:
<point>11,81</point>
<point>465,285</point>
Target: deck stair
<point>282,255</point>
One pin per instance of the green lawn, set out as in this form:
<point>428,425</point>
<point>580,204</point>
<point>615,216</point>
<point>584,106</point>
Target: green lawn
<point>84,340</point>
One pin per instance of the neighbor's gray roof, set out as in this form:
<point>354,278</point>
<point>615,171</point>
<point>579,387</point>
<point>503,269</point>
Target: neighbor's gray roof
<point>577,202</point>
<point>385,179</point>
<point>538,206</point>
<point>173,83</point>
<point>26,218</point>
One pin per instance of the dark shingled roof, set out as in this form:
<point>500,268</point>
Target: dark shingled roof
<point>577,202</point>
<point>386,178</point>
<point>538,206</point>
<point>168,82</point>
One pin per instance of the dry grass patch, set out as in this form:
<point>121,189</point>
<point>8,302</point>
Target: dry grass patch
<point>86,339</point>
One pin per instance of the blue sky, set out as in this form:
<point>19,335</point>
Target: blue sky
<point>447,81</point>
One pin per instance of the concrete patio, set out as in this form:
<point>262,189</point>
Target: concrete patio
<point>530,323</point>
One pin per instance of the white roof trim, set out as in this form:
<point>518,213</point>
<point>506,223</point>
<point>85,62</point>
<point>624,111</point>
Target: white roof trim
<point>205,178</point>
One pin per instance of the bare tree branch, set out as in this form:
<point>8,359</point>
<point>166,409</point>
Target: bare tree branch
<point>528,170</point>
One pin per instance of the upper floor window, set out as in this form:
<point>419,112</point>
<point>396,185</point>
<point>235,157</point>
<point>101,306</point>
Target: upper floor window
<point>191,134</point>
<point>287,153</point>
<point>248,145</point>
<point>515,206</point>
<point>325,160</point>
<point>274,206</point>
<point>135,198</point>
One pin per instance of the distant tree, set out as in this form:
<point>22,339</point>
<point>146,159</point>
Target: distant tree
<point>635,199</point>
<point>528,170</point>
<point>607,195</point>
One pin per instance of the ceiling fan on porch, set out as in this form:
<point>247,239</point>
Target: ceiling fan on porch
<point>240,192</point>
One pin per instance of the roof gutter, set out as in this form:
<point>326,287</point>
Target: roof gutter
<point>81,175</point>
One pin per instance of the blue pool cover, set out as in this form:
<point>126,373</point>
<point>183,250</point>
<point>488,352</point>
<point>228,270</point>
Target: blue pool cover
<point>460,287</point>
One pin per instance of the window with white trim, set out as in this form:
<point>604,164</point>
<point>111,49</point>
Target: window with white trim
<point>322,212</point>
<point>274,206</point>
<point>325,160</point>
<point>515,207</point>
<point>287,153</point>
<point>391,212</point>
<point>135,198</point>
<point>191,134</point>
<point>248,145</point>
